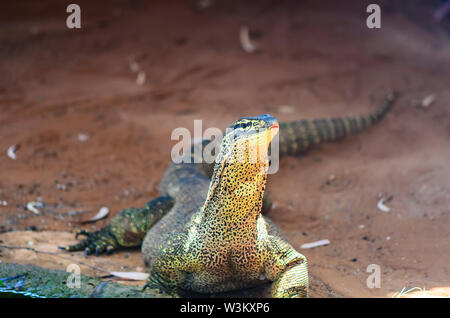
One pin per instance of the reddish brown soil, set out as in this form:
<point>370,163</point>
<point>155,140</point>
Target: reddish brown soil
<point>315,60</point>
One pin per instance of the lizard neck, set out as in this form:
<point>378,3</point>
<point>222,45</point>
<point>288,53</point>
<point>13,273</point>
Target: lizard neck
<point>235,195</point>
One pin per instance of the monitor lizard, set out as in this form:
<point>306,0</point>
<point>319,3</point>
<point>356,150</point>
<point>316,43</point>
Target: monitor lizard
<point>205,232</point>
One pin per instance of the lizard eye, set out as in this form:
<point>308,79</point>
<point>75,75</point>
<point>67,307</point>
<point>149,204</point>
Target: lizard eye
<point>244,125</point>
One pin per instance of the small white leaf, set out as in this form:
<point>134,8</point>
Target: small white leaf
<point>383,207</point>
<point>244,37</point>
<point>31,207</point>
<point>102,213</point>
<point>315,244</point>
<point>131,275</point>
<point>427,101</point>
<point>83,137</point>
<point>12,151</point>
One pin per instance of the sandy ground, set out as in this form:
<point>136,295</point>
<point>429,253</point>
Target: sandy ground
<point>91,136</point>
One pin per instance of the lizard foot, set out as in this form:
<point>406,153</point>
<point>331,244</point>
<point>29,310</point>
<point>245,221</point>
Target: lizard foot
<point>97,242</point>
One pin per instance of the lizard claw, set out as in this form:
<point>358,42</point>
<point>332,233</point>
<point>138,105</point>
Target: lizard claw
<point>82,232</point>
<point>96,242</point>
<point>109,249</point>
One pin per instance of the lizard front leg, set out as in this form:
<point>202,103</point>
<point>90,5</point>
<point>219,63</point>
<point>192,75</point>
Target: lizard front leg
<point>126,229</point>
<point>171,266</point>
<point>287,268</point>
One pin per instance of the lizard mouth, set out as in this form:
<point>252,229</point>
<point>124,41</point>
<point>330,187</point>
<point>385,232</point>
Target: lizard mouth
<point>273,130</point>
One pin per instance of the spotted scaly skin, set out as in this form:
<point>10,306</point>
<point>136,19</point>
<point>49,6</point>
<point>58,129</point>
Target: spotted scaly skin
<point>298,136</point>
<point>184,244</point>
<point>228,245</point>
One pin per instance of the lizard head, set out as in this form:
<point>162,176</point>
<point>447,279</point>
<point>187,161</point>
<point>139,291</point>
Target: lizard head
<point>248,138</point>
<point>240,173</point>
<point>239,178</point>
<point>248,126</point>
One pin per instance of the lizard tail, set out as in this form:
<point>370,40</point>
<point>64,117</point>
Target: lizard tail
<point>298,136</point>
